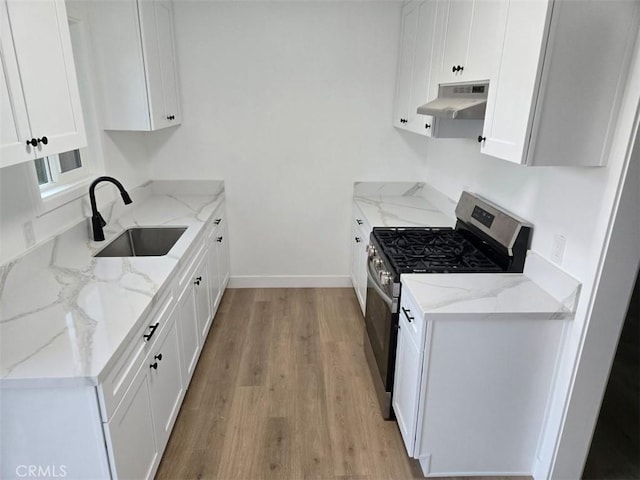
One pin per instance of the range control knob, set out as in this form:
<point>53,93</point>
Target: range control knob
<point>371,250</point>
<point>377,262</point>
<point>385,278</point>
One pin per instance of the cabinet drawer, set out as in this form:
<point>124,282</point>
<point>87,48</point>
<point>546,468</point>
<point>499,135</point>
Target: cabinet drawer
<point>112,389</point>
<point>413,317</point>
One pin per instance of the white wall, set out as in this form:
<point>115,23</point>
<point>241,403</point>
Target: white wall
<point>289,103</point>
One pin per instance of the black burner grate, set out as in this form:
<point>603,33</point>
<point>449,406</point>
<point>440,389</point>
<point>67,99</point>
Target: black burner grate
<point>432,250</point>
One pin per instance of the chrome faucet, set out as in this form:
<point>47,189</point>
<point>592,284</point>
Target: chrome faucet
<point>96,219</point>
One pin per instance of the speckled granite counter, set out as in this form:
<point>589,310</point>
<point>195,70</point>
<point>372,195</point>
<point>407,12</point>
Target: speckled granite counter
<point>64,313</point>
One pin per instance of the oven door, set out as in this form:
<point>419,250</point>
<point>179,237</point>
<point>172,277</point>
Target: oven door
<point>381,323</point>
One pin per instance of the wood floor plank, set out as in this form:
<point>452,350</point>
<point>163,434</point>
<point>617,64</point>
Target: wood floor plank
<point>241,448</point>
<point>254,362</point>
<point>311,421</point>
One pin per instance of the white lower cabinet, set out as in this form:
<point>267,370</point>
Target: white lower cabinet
<point>470,392</point>
<point>130,434</point>
<point>222,250</point>
<point>165,381</point>
<point>407,382</point>
<point>189,328</point>
<point>360,232</point>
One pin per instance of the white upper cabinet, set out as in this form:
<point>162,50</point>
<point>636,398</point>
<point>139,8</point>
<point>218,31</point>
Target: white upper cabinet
<point>555,97</point>
<point>38,84</point>
<point>133,43</point>
<point>414,68</point>
<point>472,37</point>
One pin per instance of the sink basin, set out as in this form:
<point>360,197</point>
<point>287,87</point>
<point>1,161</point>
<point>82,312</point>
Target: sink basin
<point>143,242</point>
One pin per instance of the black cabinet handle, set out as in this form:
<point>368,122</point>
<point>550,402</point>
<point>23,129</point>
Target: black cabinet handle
<point>217,221</point>
<point>152,330</point>
<point>219,239</point>
<point>171,117</point>
<point>457,68</point>
<point>154,365</point>
<point>427,125</point>
<point>403,120</point>
<point>197,281</point>
<point>44,140</point>
<point>158,357</point>
<point>358,239</point>
<point>481,138</point>
<point>358,221</point>
<point>406,312</point>
<point>33,142</point>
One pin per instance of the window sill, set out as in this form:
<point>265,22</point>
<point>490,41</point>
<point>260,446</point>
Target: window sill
<point>56,197</point>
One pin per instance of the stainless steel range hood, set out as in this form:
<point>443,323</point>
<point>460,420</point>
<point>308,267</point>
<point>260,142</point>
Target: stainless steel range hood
<point>458,101</point>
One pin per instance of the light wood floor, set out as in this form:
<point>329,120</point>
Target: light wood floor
<point>282,391</point>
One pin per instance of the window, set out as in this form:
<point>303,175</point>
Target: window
<point>59,170</point>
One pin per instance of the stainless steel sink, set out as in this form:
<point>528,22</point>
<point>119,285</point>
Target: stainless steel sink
<point>143,242</point>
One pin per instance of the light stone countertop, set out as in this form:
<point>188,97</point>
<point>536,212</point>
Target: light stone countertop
<point>403,204</point>
<point>64,314</point>
<point>478,295</point>
<point>541,292</point>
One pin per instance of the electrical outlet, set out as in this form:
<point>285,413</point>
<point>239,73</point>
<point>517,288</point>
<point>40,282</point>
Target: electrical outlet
<point>29,236</point>
<point>557,250</point>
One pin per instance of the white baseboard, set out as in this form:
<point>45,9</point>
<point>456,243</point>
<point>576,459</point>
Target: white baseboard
<point>290,281</point>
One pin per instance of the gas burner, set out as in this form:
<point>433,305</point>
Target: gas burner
<point>432,250</point>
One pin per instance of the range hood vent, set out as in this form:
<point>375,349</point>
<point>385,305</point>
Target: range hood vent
<point>458,101</point>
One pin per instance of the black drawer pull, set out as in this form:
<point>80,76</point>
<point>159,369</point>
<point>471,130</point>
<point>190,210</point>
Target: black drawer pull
<point>359,222</point>
<point>158,357</point>
<point>219,239</point>
<point>152,330</point>
<point>217,221</point>
<point>406,312</point>
<point>358,239</point>
<point>154,365</point>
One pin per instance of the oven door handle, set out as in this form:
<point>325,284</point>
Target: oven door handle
<point>386,298</point>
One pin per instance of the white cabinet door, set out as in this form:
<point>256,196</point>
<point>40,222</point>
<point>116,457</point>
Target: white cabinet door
<point>165,378</point>
<point>357,254</point>
<point>472,39</point>
<point>41,49</point>
<point>222,248</point>
<point>422,69</point>
<point>133,43</point>
<point>406,386</point>
<point>512,98</point>
<point>409,29</point>
<point>156,20</point>
<point>203,304</point>
<point>14,123</point>
<point>189,331</point>
<point>486,39</point>
<point>130,434</point>
<point>213,273</point>
<point>456,16</point>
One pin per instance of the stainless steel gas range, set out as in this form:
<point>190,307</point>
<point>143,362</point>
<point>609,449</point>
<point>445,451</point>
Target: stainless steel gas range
<point>486,239</point>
